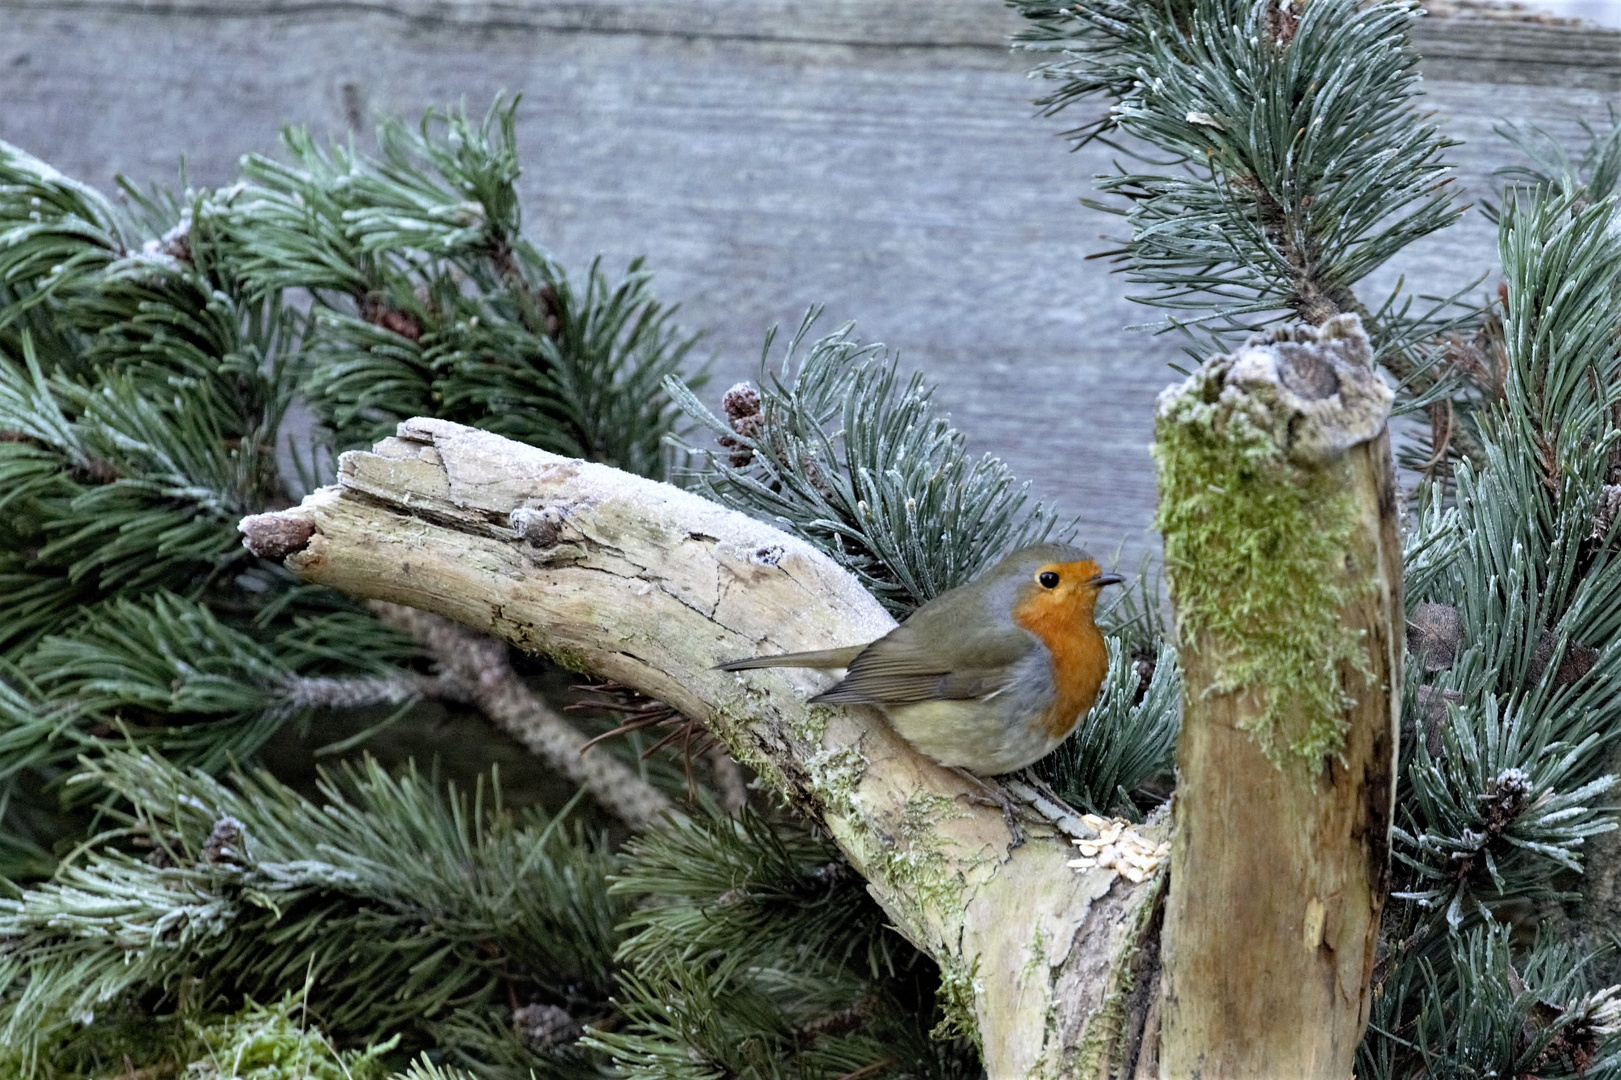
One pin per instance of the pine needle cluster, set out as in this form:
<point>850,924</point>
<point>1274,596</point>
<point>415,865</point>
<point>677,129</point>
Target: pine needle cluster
<point>431,301</point>
<point>755,951</point>
<point>834,447</point>
<point>208,891</point>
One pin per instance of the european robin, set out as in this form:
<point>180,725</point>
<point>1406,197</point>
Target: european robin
<point>990,676</point>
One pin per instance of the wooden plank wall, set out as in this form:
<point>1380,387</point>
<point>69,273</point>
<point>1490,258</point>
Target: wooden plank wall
<point>877,157</point>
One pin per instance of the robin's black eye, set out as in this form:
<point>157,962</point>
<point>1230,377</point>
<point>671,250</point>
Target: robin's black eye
<point>1048,579</point>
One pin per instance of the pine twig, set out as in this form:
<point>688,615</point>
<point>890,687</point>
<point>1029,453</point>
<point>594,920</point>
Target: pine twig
<point>481,664</point>
<point>306,692</point>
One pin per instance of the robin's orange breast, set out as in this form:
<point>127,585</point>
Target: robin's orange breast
<point>1079,656</point>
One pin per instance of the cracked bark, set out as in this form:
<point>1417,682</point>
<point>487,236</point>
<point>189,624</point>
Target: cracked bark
<point>651,586</point>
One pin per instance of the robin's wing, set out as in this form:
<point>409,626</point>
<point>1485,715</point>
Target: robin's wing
<point>909,689</point>
<point>951,649</point>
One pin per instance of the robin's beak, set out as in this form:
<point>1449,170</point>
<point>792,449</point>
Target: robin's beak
<point>1098,581</point>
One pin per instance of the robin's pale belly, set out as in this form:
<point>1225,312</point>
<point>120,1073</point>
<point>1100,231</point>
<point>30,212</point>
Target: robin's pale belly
<point>979,736</point>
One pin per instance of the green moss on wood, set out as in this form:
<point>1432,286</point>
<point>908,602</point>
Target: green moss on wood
<point>958,987</point>
<point>1255,550</point>
<point>904,853</point>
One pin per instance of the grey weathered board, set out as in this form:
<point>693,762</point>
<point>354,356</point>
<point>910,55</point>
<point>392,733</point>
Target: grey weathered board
<point>877,157</point>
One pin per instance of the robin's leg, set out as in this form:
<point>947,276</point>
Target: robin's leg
<point>991,794</point>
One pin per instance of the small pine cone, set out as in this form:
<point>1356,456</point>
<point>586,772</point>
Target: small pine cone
<point>401,323</point>
<point>740,455</point>
<point>379,312</point>
<point>750,427</point>
<point>1143,666</point>
<point>1609,504</point>
<point>542,1026</point>
<point>742,407</point>
<point>741,401</point>
<point>96,471</point>
<point>1577,661</point>
<point>813,473</point>
<point>227,843</point>
<point>174,244</point>
<point>838,1023</point>
<point>1504,799</point>
<point>177,241</point>
<point>1281,23</point>
<point>1434,635</point>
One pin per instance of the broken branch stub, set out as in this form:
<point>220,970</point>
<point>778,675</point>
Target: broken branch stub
<point>1278,508</point>
<point>1047,965</point>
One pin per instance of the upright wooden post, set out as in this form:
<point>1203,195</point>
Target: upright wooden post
<point>1277,504</point>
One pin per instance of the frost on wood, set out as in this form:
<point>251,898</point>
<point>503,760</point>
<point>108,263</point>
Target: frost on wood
<point>1277,503</point>
<point>651,586</point>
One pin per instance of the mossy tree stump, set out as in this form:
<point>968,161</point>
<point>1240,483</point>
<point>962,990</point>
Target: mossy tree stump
<point>1278,511</point>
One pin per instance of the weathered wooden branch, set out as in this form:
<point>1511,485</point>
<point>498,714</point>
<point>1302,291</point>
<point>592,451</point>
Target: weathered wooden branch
<point>1279,513</point>
<point>472,668</point>
<point>650,586</point>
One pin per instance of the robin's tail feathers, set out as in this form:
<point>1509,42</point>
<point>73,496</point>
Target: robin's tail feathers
<point>822,658</point>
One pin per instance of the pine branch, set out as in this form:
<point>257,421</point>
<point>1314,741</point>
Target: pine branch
<point>838,451</point>
<point>1485,1008</point>
<point>758,953</point>
<point>1297,164</point>
<point>431,300</point>
<point>743,891</point>
<point>392,904</point>
<point>1309,165</point>
<point>481,666</point>
<point>119,484</point>
<point>167,674</point>
<point>1592,174</point>
<point>1513,586</point>
<point>48,221</point>
<point>1514,820</point>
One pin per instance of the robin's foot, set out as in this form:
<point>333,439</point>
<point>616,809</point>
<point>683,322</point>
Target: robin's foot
<point>990,793</point>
